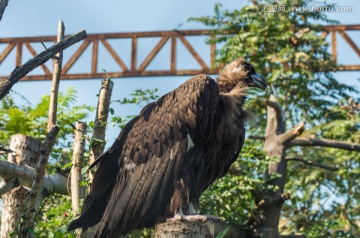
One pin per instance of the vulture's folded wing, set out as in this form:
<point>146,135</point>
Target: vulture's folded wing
<point>148,155</point>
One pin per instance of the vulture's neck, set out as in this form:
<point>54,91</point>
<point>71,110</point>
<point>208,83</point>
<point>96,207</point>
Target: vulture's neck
<point>232,90</point>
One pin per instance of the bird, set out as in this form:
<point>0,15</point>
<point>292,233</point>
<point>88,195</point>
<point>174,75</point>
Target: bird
<point>168,155</point>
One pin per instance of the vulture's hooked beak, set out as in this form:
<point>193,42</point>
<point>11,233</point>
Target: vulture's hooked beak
<point>259,81</point>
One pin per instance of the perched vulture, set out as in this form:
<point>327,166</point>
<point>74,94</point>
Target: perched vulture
<point>166,157</point>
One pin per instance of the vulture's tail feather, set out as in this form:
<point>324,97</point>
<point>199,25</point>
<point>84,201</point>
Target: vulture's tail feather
<point>101,188</point>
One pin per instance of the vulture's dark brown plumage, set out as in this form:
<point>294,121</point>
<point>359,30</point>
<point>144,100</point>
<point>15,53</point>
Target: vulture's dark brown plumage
<point>168,155</point>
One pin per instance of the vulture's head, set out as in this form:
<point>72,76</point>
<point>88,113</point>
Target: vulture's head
<point>240,74</point>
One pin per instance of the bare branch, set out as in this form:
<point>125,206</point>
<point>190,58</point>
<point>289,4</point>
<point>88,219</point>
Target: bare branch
<point>19,72</point>
<point>57,62</point>
<point>3,5</point>
<point>325,143</point>
<point>257,138</point>
<point>307,162</point>
<point>24,175</point>
<point>291,134</point>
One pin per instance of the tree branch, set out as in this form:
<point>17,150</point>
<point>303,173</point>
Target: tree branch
<point>291,134</point>
<point>274,117</point>
<point>325,143</point>
<point>19,72</point>
<point>24,175</point>
<point>57,62</point>
<point>257,138</point>
<point>311,163</point>
<point>3,5</point>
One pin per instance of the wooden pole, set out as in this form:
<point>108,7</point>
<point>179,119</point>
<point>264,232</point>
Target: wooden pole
<point>102,113</point>
<point>78,154</point>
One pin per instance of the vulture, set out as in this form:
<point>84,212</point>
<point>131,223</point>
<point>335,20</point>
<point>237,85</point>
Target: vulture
<point>168,155</point>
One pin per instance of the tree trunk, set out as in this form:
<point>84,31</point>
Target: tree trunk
<point>269,201</point>
<point>26,152</point>
<point>184,228</point>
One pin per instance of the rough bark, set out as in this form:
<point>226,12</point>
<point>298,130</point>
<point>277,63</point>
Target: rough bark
<point>102,112</point>
<point>184,228</point>
<point>19,72</point>
<point>26,152</point>
<point>269,202</point>
<point>78,154</point>
<point>57,62</point>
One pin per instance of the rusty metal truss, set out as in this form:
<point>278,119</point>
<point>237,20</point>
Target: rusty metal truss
<point>132,66</point>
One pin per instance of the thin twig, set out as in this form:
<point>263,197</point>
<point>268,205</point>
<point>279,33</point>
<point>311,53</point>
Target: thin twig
<point>307,162</point>
<point>3,5</point>
<point>325,143</point>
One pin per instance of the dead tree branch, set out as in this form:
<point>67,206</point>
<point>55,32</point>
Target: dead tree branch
<point>3,5</point>
<point>311,163</point>
<point>24,176</point>
<point>291,134</point>
<point>19,72</point>
<point>102,113</point>
<point>275,117</point>
<point>302,141</point>
<point>57,62</point>
<point>305,141</point>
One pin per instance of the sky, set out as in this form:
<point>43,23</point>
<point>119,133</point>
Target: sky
<point>40,17</point>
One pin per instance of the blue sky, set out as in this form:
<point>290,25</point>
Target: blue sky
<point>40,17</point>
